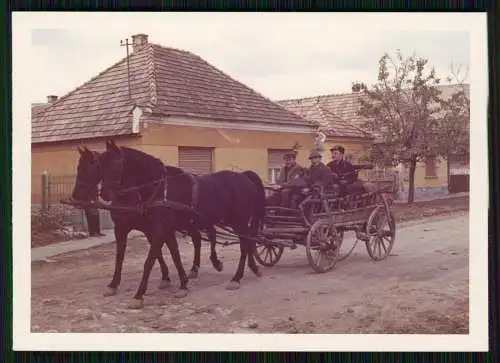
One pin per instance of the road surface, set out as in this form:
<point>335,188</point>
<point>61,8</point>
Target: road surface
<point>421,288</point>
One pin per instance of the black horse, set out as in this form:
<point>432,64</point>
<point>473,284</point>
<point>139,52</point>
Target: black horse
<point>88,177</point>
<point>236,200</point>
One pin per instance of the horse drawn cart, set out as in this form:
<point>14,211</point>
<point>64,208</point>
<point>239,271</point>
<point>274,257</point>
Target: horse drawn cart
<point>319,224</point>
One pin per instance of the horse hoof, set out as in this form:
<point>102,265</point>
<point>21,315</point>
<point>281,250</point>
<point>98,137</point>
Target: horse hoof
<point>165,284</point>
<point>181,293</point>
<point>110,291</point>
<point>193,274</point>
<point>233,285</point>
<point>136,304</point>
<point>219,266</point>
<point>257,273</point>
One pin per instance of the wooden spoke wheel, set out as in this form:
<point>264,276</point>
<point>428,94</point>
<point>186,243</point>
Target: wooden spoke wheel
<point>323,245</point>
<point>381,232</point>
<point>268,254</point>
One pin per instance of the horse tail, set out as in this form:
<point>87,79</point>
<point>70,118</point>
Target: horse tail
<point>260,210</point>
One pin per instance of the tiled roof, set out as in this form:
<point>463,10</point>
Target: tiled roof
<point>37,108</point>
<point>164,80</point>
<point>337,114</point>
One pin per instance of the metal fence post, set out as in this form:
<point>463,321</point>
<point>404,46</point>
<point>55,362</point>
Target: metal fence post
<point>45,191</point>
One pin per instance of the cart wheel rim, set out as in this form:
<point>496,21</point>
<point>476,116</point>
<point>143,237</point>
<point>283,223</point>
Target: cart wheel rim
<point>381,229</point>
<point>268,255</point>
<point>322,248</point>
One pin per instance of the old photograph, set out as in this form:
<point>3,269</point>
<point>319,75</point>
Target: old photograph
<point>251,173</point>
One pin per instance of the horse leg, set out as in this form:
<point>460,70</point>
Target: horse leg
<point>196,237</point>
<point>121,245</point>
<point>213,253</point>
<point>235,281</point>
<point>165,279</point>
<point>173,246</point>
<point>156,244</point>
<point>252,250</point>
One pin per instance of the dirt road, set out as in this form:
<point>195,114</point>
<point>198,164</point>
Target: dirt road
<point>421,288</point>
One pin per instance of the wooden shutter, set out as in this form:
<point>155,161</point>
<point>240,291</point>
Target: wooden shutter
<point>275,158</point>
<point>196,160</point>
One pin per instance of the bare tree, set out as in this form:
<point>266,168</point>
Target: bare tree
<point>400,110</point>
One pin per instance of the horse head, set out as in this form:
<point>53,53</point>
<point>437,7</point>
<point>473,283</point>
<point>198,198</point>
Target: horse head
<point>88,176</point>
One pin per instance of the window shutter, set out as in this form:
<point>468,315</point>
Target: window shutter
<point>196,160</point>
<point>275,158</point>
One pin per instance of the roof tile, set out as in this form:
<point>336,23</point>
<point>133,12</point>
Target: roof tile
<point>337,114</point>
<point>167,81</point>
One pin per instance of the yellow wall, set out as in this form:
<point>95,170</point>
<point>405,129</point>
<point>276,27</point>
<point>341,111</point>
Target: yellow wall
<point>441,175</point>
<point>157,134</point>
<point>168,154</point>
<point>241,159</point>
<point>233,149</point>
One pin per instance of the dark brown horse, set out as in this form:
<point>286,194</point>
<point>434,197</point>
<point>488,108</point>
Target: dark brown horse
<point>89,175</point>
<point>173,199</point>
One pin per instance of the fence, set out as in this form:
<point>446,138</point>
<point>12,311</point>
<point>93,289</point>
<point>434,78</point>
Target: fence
<point>53,188</point>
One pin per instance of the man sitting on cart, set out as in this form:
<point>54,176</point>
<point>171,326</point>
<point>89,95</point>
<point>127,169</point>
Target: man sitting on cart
<point>347,174</point>
<point>316,175</point>
<point>291,170</point>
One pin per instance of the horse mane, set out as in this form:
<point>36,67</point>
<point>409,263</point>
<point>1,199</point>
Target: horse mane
<point>135,154</point>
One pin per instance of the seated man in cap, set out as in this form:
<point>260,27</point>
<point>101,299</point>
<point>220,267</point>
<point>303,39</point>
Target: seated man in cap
<point>289,179</point>
<point>318,174</point>
<point>346,173</point>
<point>291,170</point>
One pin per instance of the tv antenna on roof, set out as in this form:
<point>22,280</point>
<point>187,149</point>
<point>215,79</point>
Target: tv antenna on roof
<point>126,44</point>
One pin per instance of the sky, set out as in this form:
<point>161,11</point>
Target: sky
<point>282,56</point>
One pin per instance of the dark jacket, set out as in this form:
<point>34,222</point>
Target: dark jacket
<point>287,174</point>
<point>344,170</point>
<point>318,175</point>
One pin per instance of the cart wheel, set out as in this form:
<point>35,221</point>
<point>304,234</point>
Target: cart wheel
<point>381,231</point>
<point>322,246</point>
<point>268,254</point>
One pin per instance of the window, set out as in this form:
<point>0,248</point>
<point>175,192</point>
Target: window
<point>430,167</point>
<point>273,174</point>
<point>274,163</point>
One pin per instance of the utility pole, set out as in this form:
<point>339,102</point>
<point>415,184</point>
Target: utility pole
<point>126,44</point>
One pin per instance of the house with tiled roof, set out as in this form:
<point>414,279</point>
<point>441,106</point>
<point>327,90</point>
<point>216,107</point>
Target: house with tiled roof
<point>337,112</point>
<point>171,104</point>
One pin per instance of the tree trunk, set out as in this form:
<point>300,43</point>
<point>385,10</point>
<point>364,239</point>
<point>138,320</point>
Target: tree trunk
<point>411,184</point>
<point>448,170</point>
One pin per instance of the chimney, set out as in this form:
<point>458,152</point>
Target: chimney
<point>139,41</point>
<point>51,99</point>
